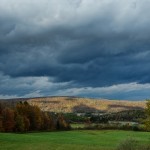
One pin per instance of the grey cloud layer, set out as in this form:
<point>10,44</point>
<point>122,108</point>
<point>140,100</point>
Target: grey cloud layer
<point>90,43</point>
<point>44,86</point>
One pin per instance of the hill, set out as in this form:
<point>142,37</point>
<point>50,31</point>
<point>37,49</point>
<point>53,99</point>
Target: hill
<point>81,105</point>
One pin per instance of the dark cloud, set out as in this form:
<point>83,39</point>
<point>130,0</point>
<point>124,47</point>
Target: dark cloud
<point>84,43</point>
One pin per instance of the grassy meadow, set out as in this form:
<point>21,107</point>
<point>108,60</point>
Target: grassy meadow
<point>70,140</point>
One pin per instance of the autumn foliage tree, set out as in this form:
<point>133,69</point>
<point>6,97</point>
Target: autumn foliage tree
<point>19,123</point>
<point>24,117</point>
<point>47,122</point>
<point>1,125</point>
<point>147,121</point>
<point>62,123</point>
<point>8,121</point>
<point>30,117</point>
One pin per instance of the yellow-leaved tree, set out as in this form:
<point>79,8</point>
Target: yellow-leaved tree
<point>147,121</point>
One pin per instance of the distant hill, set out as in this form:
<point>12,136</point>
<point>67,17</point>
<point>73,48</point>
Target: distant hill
<point>81,105</point>
<point>76,104</point>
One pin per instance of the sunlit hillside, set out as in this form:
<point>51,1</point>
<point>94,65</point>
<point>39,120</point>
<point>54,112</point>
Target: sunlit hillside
<point>75,104</point>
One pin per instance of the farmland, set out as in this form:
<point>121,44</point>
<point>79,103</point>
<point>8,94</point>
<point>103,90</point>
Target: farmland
<point>66,140</point>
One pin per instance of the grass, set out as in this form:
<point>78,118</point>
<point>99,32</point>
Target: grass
<point>77,125</point>
<point>66,140</point>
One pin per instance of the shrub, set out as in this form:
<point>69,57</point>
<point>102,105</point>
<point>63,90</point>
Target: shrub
<point>132,144</point>
<point>128,144</point>
<point>135,128</point>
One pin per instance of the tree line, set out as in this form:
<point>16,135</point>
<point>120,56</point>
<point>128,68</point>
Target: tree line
<point>23,118</point>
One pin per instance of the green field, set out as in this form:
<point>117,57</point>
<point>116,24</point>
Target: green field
<point>69,140</point>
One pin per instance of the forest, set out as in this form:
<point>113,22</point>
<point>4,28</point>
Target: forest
<point>23,117</point>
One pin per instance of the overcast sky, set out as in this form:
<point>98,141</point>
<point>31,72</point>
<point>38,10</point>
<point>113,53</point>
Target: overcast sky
<point>88,48</point>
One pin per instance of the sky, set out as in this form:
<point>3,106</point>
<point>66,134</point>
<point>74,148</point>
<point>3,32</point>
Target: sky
<point>85,48</point>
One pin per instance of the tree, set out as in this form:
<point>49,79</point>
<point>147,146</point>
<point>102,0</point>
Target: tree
<point>24,117</point>
<point>47,121</point>
<point>32,115</point>
<point>8,119</point>
<point>1,108</point>
<point>19,123</point>
<point>26,124</point>
<point>62,123</point>
<point>147,122</point>
<point>1,123</point>
<point>35,117</point>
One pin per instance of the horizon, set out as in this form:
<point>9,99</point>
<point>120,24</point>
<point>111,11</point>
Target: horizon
<point>80,97</point>
<point>83,48</point>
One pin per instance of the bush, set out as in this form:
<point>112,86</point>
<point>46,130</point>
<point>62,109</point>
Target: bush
<point>132,144</point>
<point>135,128</point>
<point>144,147</point>
<point>128,144</point>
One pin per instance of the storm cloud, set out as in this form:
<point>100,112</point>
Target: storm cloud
<point>75,47</point>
